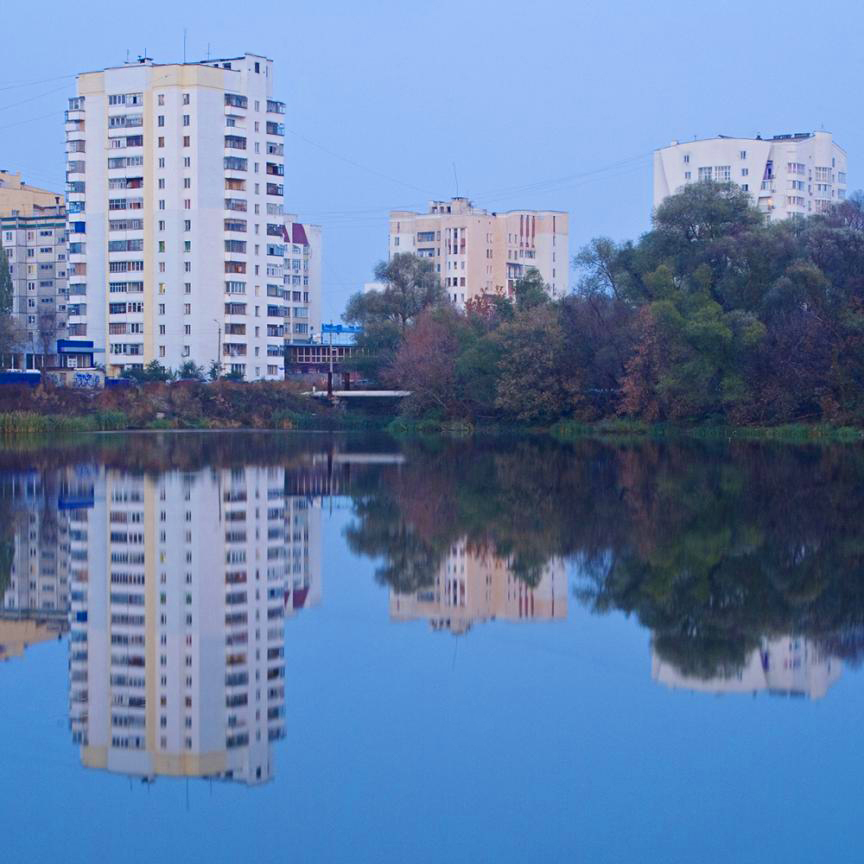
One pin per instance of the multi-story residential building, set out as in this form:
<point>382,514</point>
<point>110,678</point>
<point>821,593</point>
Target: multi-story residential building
<point>177,663</point>
<point>302,280</point>
<point>478,586</point>
<point>175,206</point>
<point>478,252</point>
<point>33,235</point>
<point>786,176</point>
<point>784,665</point>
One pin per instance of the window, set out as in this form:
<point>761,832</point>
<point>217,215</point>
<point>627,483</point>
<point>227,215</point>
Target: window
<point>745,172</point>
<point>187,182</point>
<point>186,141</point>
<point>160,142</point>
<point>187,225</point>
<point>160,120</point>
<point>161,182</point>
<point>185,98</point>
<point>706,173</point>
<point>187,120</point>
<point>723,173</point>
<point>686,158</point>
<point>160,99</point>
<point>161,161</point>
<point>187,161</point>
<point>742,154</point>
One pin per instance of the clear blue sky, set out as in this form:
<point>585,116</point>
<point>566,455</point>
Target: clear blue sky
<point>549,104</point>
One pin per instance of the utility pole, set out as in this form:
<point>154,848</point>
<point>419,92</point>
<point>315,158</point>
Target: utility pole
<point>330,376</point>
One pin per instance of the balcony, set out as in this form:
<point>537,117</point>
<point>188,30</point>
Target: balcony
<point>236,101</point>
<point>237,204</point>
<point>236,163</point>
<point>235,142</point>
<point>275,189</point>
<point>275,128</point>
<point>274,107</point>
<point>275,169</point>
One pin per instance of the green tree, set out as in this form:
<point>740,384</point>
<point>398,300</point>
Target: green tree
<point>410,286</point>
<point>189,369</point>
<point>530,290</point>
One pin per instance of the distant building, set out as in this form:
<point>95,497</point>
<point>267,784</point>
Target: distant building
<point>782,666</point>
<point>478,252</point>
<point>787,175</point>
<point>475,586</point>
<point>176,218</point>
<point>33,235</point>
<point>302,280</point>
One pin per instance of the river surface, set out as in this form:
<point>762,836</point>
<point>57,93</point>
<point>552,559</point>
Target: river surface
<point>321,648</point>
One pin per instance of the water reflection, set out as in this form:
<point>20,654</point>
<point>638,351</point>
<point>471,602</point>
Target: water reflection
<point>174,562</point>
<point>476,585</point>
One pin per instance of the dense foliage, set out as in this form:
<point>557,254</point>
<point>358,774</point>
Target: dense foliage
<point>715,315</point>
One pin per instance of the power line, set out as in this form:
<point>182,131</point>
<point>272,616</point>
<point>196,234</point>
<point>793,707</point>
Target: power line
<point>34,83</point>
<point>32,98</point>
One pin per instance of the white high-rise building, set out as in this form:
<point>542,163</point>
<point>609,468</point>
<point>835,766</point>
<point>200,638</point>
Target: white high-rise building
<point>176,215</point>
<point>302,280</point>
<point>787,175</point>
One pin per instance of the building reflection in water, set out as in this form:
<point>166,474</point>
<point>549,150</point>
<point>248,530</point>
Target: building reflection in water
<point>781,666</point>
<point>35,600</point>
<point>476,585</point>
<point>179,586</point>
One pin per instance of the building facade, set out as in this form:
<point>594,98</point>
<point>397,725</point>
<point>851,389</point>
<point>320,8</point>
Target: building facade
<point>786,176</point>
<point>478,252</point>
<point>175,215</point>
<point>302,280</point>
<point>33,236</point>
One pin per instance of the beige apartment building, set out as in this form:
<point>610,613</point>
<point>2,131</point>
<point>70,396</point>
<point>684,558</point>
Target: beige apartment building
<point>33,236</point>
<point>478,252</point>
<point>472,585</point>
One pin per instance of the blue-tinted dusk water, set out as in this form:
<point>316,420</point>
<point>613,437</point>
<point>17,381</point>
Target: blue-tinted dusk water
<point>268,648</point>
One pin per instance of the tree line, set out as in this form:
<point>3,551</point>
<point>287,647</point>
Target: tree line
<point>715,315</point>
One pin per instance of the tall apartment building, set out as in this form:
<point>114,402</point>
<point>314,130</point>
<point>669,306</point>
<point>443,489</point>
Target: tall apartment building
<point>478,252</point>
<point>177,646</point>
<point>782,665</point>
<point>176,216</point>
<point>473,586</point>
<point>786,176</point>
<point>302,280</point>
<point>33,235</point>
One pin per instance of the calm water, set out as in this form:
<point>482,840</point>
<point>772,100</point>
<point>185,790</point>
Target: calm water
<point>319,648</point>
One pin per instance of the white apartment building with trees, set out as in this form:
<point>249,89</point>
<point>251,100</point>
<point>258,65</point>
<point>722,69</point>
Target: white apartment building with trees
<point>175,203</point>
<point>786,176</point>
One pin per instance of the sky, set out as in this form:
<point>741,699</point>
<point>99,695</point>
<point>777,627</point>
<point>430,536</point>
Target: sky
<point>553,104</point>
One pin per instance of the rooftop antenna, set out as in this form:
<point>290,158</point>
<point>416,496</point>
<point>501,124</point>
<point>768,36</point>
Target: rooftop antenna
<point>208,50</point>
<point>127,55</point>
<point>456,178</point>
<point>184,45</point>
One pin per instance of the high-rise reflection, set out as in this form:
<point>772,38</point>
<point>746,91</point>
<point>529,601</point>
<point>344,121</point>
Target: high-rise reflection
<point>178,603</point>
<point>474,585</point>
<point>781,666</point>
<point>34,562</point>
